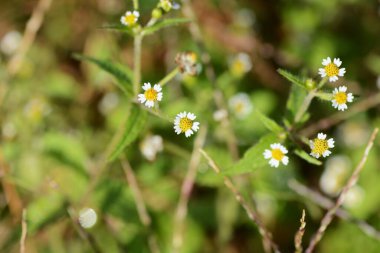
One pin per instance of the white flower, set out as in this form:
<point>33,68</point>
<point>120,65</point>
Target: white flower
<point>341,97</point>
<point>220,115</point>
<point>276,155</point>
<point>332,69</point>
<point>184,123</point>
<point>10,42</point>
<point>335,175</point>
<point>150,146</point>
<point>187,63</point>
<point>130,18</point>
<point>87,217</point>
<point>320,146</point>
<point>108,103</point>
<point>241,105</point>
<point>151,95</point>
<point>240,64</point>
<point>354,197</point>
<point>354,134</point>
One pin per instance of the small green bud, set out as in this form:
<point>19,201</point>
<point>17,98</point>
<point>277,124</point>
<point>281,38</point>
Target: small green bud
<point>310,84</point>
<point>166,5</point>
<point>156,13</point>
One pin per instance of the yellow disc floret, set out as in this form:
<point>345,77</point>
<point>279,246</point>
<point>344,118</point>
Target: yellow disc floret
<point>331,70</point>
<point>341,97</point>
<point>130,19</point>
<point>320,146</point>
<point>150,94</point>
<point>277,154</point>
<point>185,124</point>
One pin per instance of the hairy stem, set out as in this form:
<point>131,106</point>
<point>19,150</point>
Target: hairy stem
<point>137,63</point>
<point>169,77</point>
<point>24,231</point>
<point>305,105</point>
<point>351,182</point>
<point>299,235</point>
<point>136,4</point>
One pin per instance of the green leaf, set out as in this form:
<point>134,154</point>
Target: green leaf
<point>119,28</point>
<point>124,80</point>
<point>296,97</point>
<point>270,124</point>
<point>164,23</point>
<point>301,153</point>
<point>132,129</point>
<point>292,78</point>
<point>253,157</point>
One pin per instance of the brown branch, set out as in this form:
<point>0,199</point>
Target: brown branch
<point>299,235</point>
<point>141,208</point>
<point>267,236</point>
<point>24,231</point>
<point>351,182</point>
<point>338,117</point>
<point>326,203</point>
<point>186,189</point>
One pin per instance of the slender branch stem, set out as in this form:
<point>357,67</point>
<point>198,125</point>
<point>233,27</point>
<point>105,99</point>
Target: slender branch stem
<point>299,235</point>
<point>326,203</point>
<point>169,76</point>
<point>249,210</point>
<point>137,63</point>
<point>187,186</point>
<point>136,4</point>
<point>305,105</point>
<point>338,117</point>
<point>141,208</point>
<point>351,182</point>
<point>24,231</point>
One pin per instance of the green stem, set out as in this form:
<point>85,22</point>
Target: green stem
<point>136,4</point>
<point>137,63</point>
<point>169,76</point>
<point>305,105</point>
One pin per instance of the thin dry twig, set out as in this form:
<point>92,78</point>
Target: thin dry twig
<point>187,187</point>
<point>141,207</point>
<point>299,235</point>
<point>326,203</point>
<point>267,236</point>
<point>351,182</point>
<point>24,231</point>
<point>338,117</point>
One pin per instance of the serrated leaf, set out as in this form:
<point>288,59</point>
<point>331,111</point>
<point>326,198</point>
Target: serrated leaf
<point>123,77</point>
<point>132,129</point>
<point>119,28</point>
<point>164,23</point>
<point>270,124</point>
<point>296,97</point>
<point>302,154</point>
<point>253,158</point>
<point>292,78</point>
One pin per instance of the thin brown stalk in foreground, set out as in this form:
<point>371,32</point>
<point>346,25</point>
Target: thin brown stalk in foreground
<point>24,231</point>
<point>327,203</point>
<point>299,235</point>
<point>249,210</point>
<point>141,208</point>
<point>187,186</point>
<point>351,182</point>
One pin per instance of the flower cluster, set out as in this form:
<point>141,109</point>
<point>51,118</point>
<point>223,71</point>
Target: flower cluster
<point>187,63</point>
<point>130,18</point>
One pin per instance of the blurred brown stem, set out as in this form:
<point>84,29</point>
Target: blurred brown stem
<point>267,236</point>
<point>141,208</point>
<point>351,182</point>
<point>336,118</point>
<point>326,203</point>
<point>186,189</point>
<point>299,235</point>
<point>137,63</point>
<point>24,231</point>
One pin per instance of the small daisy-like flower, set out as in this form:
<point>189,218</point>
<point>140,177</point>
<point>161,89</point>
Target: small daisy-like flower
<point>240,64</point>
<point>276,155</point>
<point>241,105</point>
<point>184,123</point>
<point>332,69</point>
<point>187,63</point>
<point>87,217</point>
<point>320,146</point>
<point>130,18</point>
<point>341,97</point>
<point>151,95</point>
<point>150,146</point>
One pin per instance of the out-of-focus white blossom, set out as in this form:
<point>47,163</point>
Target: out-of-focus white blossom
<point>10,42</point>
<point>87,217</point>
<point>150,146</point>
<point>335,175</point>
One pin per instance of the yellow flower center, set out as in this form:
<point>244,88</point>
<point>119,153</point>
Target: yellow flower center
<point>320,146</point>
<point>130,19</point>
<point>150,95</point>
<point>277,154</point>
<point>239,107</point>
<point>192,57</point>
<point>185,124</point>
<point>331,70</point>
<point>238,67</point>
<point>341,97</point>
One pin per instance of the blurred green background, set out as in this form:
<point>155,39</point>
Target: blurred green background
<point>59,115</point>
